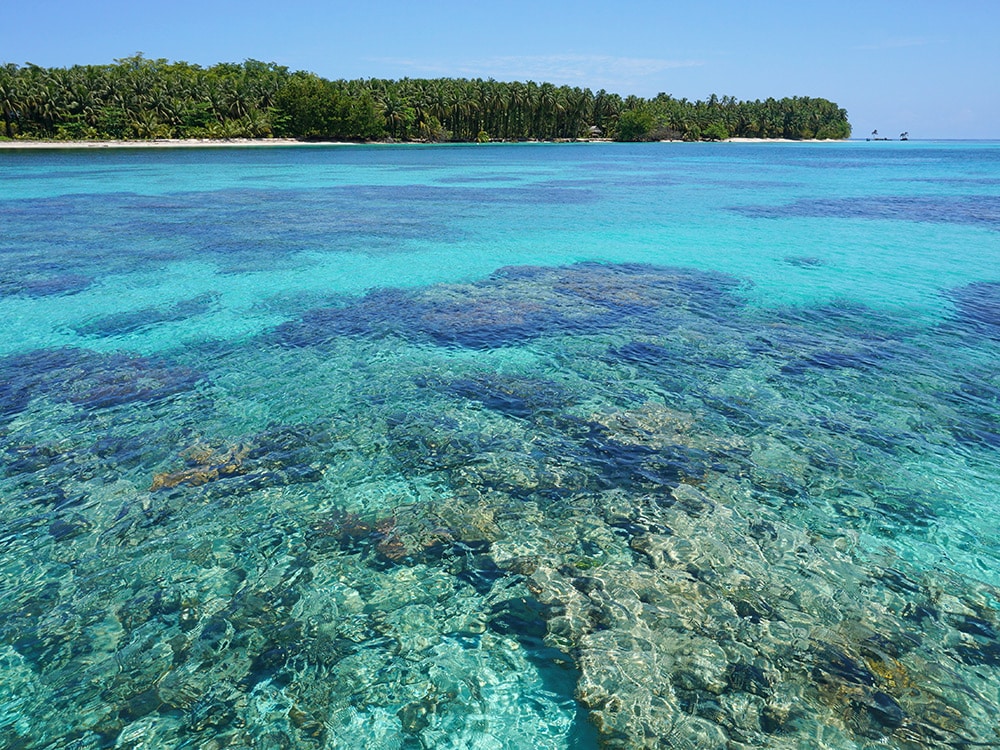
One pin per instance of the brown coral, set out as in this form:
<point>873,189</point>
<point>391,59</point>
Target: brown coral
<point>206,464</point>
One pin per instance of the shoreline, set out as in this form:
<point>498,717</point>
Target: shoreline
<point>785,140</point>
<point>272,142</point>
<point>168,143</point>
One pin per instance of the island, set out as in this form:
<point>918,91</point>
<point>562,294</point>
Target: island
<point>142,99</point>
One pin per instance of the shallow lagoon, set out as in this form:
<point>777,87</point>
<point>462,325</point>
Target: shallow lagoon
<point>679,445</point>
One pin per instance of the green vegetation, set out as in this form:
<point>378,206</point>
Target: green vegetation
<point>141,98</point>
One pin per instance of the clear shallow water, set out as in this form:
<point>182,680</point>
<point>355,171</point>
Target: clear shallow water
<point>679,445</point>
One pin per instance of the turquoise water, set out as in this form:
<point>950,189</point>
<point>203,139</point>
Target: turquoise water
<point>506,446</point>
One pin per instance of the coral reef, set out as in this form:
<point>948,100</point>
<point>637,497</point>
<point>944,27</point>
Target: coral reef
<point>591,506</point>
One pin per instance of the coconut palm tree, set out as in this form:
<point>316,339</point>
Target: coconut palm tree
<point>9,99</point>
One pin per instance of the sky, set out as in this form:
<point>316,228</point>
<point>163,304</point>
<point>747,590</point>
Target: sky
<point>929,68</point>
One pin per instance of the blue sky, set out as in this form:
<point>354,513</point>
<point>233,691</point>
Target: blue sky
<point>930,68</point>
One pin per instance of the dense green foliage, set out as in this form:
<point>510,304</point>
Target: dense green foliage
<point>716,119</point>
<point>140,98</point>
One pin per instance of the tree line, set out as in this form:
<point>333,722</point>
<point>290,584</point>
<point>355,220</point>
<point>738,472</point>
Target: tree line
<point>141,98</point>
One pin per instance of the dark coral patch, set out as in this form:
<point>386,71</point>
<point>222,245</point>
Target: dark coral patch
<point>804,261</point>
<point>976,410</point>
<point>977,307</point>
<point>519,304</point>
<point>643,353</point>
<point>46,286</point>
<point>237,229</point>
<point>493,323</point>
<point>833,360</point>
<point>521,397</point>
<point>89,379</point>
<point>119,324</point>
<point>374,315</point>
<point>976,210</point>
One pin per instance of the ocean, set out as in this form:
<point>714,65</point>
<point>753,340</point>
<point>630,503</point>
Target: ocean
<point>496,446</point>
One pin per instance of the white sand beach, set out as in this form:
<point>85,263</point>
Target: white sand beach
<point>165,143</point>
<point>254,142</point>
<point>786,140</point>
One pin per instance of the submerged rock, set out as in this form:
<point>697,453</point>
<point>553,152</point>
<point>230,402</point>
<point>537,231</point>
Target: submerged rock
<point>206,465</point>
<point>834,665</point>
<point>274,457</point>
<point>455,534</point>
<point>885,710</point>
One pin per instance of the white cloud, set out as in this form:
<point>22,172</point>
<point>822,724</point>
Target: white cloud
<point>595,71</point>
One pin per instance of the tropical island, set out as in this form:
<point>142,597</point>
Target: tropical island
<point>142,99</point>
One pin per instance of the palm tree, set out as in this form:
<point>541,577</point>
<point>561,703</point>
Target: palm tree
<point>42,98</point>
<point>395,113</point>
<point>9,97</point>
<point>517,98</point>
